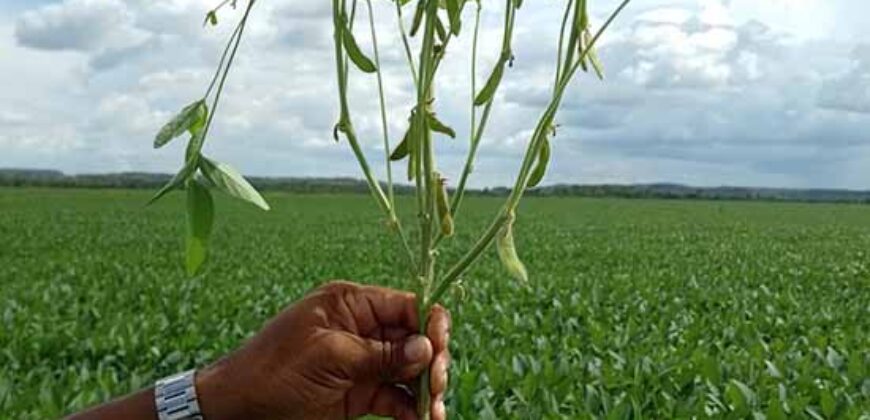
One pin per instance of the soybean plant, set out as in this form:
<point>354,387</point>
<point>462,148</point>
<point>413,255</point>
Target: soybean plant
<point>437,22</point>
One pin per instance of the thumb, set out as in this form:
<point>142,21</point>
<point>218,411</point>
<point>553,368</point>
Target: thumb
<point>397,360</point>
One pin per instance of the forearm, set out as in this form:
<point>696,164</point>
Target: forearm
<point>138,406</point>
<point>217,400</point>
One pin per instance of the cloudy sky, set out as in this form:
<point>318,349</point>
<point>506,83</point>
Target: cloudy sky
<point>739,92</point>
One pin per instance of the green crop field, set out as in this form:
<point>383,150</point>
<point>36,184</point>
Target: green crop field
<point>634,309</point>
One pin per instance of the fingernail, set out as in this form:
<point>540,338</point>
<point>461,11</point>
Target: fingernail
<point>415,348</point>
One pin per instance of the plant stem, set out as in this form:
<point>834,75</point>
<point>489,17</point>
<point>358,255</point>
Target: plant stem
<point>561,41</point>
<point>522,179</point>
<point>235,49</point>
<point>383,106</point>
<point>478,135</point>
<point>426,200</point>
<point>344,120</point>
<point>407,46</point>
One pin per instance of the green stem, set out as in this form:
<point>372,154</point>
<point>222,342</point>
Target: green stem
<point>407,46</point>
<point>459,195</point>
<point>425,192</point>
<point>522,179</point>
<point>344,119</point>
<point>235,49</point>
<point>561,41</point>
<point>383,106</point>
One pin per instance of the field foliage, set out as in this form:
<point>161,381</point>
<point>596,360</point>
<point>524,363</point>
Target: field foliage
<point>634,309</point>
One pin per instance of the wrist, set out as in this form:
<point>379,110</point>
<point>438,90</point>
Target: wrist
<point>220,396</point>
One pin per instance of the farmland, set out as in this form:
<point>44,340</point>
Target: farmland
<point>634,308</point>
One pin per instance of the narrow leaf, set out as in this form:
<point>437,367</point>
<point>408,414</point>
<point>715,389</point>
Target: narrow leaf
<point>507,251</point>
<point>439,127</point>
<point>541,166</point>
<point>200,219</point>
<point>592,55</point>
<point>492,83</point>
<point>211,18</point>
<point>180,123</point>
<point>518,4</point>
<point>178,180</point>
<point>230,181</point>
<point>356,55</point>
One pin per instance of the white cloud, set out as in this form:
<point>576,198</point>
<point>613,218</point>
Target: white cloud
<point>714,92</point>
<point>79,25</point>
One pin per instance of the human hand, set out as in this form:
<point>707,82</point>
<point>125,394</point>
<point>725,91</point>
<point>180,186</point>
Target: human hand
<point>343,351</point>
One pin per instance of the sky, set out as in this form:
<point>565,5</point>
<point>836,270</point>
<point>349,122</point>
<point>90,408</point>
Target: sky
<point>741,92</point>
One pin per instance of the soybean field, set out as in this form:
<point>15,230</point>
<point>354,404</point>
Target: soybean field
<point>635,309</point>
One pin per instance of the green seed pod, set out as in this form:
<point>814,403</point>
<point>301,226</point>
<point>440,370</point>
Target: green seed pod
<point>443,204</point>
<point>507,251</point>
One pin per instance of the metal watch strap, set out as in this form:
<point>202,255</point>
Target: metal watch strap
<point>175,397</point>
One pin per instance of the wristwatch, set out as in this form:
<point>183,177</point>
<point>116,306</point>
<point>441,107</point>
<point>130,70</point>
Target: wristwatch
<point>175,397</point>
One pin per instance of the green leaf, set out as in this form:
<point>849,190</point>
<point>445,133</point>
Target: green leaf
<point>740,396</point>
<point>772,370</point>
<point>828,403</point>
<point>438,126</point>
<point>507,251</point>
<point>200,219</point>
<point>211,18</point>
<point>518,4</point>
<point>454,11</point>
<point>775,411</point>
<point>194,146</point>
<point>541,166</point>
<point>491,86</point>
<point>592,55</point>
<point>356,55</point>
<point>191,116</point>
<point>177,181</point>
<point>230,181</point>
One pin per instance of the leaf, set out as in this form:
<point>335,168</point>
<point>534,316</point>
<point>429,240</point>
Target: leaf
<point>828,403</point>
<point>739,395</point>
<point>439,127</point>
<point>507,251</point>
<point>356,55</point>
<point>200,219</point>
<point>190,116</point>
<point>518,4</point>
<point>775,411</point>
<point>492,83</point>
<point>211,18</point>
<point>772,370</point>
<point>454,11</point>
<point>592,55</point>
<point>178,180</point>
<point>230,181</point>
<point>541,166</point>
